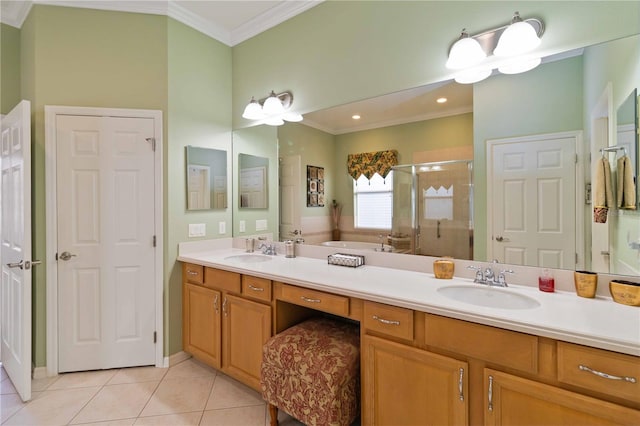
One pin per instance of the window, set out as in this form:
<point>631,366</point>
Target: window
<point>373,202</point>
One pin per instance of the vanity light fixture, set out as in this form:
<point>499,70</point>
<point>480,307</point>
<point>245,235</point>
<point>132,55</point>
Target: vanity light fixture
<point>441,100</point>
<point>503,48</point>
<point>273,110</point>
<point>355,117</point>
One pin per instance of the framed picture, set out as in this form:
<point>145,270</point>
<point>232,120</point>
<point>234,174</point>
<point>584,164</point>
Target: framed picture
<point>315,186</point>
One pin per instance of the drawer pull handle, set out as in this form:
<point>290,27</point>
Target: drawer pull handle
<point>192,273</point>
<point>224,307</point>
<point>605,375</point>
<point>460,383</point>
<point>254,288</point>
<point>215,304</point>
<point>386,321</point>
<point>306,299</point>
<point>490,393</point>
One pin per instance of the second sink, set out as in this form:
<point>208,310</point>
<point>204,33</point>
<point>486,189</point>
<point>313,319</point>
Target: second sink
<point>248,258</point>
<point>489,297</point>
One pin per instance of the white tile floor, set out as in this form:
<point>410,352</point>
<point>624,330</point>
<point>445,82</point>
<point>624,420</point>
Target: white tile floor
<point>188,393</point>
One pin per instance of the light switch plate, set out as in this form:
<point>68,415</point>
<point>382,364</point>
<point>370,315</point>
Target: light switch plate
<point>222,227</point>
<point>261,225</point>
<point>243,226</point>
<point>197,230</point>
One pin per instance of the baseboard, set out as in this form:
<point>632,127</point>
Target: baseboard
<point>177,358</point>
<point>39,373</point>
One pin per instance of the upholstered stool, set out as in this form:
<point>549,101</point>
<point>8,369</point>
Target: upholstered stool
<point>312,372</point>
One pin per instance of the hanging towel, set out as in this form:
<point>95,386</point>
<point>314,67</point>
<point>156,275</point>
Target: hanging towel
<point>602,190</point>
<point>626,185</point>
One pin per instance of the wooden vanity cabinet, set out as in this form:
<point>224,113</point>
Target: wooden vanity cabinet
<point>226,320</point>
<point>512,400</point>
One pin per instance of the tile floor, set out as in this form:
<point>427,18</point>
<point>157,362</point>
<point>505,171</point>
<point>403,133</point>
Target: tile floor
<point>188,393</point>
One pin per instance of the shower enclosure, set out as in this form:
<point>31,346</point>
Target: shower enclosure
<point>433,209</point>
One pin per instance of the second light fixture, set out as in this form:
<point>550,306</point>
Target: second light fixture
<point>273,110</point>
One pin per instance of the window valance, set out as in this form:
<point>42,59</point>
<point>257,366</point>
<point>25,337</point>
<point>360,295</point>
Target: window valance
<point>370,163</point>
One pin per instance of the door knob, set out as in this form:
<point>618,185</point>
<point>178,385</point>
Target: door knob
<point>65,255</point>
<point>501,239</point>
<point>16,264</point>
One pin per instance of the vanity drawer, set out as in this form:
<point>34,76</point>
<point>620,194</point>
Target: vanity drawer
<point>501,347</point>
<point>390,320</point>
<point>193,273</point>
<point>222,280</point>
<point>575,363</point>
<point>319,300</point>
<point>257,288</point>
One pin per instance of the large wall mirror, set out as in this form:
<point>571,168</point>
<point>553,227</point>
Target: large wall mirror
<point>206,178</point>
<point>558,98</point>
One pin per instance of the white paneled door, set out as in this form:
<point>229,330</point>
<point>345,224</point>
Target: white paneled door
<point>532,202</point>
<point>15,254</point>
<point>106,242</point>
<point>290,204</point>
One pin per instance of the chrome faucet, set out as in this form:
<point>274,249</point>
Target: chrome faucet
<point>269,249</point>
<point>488,277</point>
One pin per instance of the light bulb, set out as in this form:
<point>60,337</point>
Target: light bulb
<point>473,75</point>
<point>253,111</point>
<point>292,116</point>
<point>273,105</point>
<point>518,38</point>
<point>466,52</point>
<point>274,121</point>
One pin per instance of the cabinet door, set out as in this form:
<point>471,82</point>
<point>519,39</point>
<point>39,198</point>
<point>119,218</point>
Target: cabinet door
<point>404,385</point>
<point>247,326</point>
<point>511,400</point>
<point>201,323</point>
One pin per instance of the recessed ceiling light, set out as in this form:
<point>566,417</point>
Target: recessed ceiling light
<point>355,117</point>
<point>441,100</point>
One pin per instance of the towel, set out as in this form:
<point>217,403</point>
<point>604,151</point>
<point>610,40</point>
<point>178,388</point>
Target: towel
<point>602,190</point>
<point>626,184</point>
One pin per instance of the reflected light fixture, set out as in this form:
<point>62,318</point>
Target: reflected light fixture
<point>355,117</point>
<point>273,110</point>
<point>441,100</point>
<point>476,56</point>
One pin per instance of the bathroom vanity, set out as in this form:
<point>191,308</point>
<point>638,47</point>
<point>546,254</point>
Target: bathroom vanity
<point>426,357</point>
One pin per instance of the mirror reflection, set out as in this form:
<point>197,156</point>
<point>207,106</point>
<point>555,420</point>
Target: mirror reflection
<point>252,181</point>
<point>552,103</point>
<point>206,178</point>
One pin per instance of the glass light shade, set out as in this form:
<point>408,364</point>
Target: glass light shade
<point>519,65</point>
<point>292,116</point>
<point>253,111</point>
<point>518,38</point>
<point>274,121</point>
<point>273,105</point>
<point>465,53</point>
<point>473,75</point>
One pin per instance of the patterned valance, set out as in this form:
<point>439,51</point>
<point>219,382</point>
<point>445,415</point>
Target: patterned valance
<point>370,163</point>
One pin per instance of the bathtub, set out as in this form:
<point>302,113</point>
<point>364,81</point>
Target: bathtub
<point>357,245</point>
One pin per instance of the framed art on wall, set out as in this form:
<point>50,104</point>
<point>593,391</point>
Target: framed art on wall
<point>315,186</point>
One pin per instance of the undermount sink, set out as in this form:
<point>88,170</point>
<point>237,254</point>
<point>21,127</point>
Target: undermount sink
<point>490,297</point>
<point>248,258</point>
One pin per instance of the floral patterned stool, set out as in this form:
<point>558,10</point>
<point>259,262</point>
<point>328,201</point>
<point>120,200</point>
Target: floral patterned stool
<point>312,372</point>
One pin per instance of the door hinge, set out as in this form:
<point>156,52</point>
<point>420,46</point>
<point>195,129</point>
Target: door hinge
<point>576,258</point>
<point>154,240</point>
<point>576,158</point>
<point>152,141</point>
<point>56,257</point>
<point>155,337</point>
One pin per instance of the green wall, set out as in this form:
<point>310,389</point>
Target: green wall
<point>9,67</point>
<point>446,132</point>
<point>85,57</point>
<point>545,100</point>
<point>199,94</point>
<point>339,52</point>
<point>316,148</point>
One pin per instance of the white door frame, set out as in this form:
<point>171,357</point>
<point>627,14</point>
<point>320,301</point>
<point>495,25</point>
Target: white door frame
<point>51,220</point>
<point>580,182</point>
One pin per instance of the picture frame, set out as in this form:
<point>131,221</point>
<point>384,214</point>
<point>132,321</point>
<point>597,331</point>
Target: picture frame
<point>315,186</point>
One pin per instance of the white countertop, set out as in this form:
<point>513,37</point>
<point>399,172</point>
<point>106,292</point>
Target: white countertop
<point>598,322</point>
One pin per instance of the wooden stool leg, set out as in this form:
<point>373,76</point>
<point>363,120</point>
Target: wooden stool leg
<point>273,415</point>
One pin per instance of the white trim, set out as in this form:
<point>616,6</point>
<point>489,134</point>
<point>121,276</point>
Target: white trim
<point>39,373</point>
<point>15,13</point>
<point>50,112</point>
<point>177,358</point>
<point>579,180</point>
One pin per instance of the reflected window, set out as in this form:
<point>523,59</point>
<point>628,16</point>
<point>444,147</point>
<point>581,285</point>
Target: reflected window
<point>373,202</point>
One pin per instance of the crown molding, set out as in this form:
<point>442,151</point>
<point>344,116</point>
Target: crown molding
<point>269,19</point>
<point>14,13</point>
